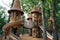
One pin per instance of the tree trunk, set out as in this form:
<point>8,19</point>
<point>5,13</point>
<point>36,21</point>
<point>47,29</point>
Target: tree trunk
<point>11,6</point>
<point>55,33</point>
<point>49,13</point>
<point>43,21</point>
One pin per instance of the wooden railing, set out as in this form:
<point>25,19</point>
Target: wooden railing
<point>48,34</point>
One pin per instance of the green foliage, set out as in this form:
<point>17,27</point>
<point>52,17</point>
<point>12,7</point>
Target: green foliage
<point>2,18</point>
<point>23,30</point>
<point>27,5</point>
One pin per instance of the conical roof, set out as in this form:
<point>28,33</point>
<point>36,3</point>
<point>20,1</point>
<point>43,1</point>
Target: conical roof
<point>34,10</point>
<point>30,16</point>
<point>51,18</point>
<point>16,7</point>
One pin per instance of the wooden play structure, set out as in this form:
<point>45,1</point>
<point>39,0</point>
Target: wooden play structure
<point>12,28</point>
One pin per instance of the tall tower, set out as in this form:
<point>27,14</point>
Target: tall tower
<point>36,31</point>
<point>15,12</point>
<point>14,24</point>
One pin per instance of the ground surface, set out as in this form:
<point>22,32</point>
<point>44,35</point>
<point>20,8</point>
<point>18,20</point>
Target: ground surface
<point>27,37</point>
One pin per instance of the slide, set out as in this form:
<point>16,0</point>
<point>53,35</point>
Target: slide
<point>11,24</point>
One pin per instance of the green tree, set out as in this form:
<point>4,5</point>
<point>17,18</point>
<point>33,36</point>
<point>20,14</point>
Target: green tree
<point>2,18</point>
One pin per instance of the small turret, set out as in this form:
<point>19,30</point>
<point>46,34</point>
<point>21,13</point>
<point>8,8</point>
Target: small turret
<point>34,10</point>
<point>15,12</point>
<point>35,13</point>
<point>50,24</point>
<point>36,18</point>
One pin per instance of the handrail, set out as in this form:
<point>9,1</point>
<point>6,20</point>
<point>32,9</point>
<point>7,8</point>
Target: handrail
<point>48,34</point>
<point>14,37</point>
<point>7,27</point>
<point>10,24</point>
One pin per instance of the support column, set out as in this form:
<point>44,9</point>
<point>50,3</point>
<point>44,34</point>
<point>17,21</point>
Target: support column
<point>55,31</point>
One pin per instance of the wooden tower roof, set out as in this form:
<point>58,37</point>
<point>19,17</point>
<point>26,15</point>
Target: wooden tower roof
<point>34,10</point>
<point>16,7</point>
<point>51,18</point>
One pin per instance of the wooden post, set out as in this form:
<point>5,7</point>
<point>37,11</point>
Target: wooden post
<point>55,31</point>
